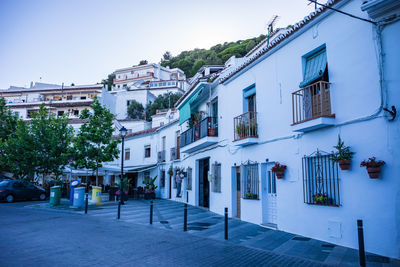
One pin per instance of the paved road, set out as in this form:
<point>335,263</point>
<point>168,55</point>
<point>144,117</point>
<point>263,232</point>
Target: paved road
<point>35,237</point>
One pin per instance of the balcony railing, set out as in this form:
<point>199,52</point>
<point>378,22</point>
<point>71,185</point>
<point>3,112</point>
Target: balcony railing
<point>161,156</point>
<point>245,125</point>
<point>311,102</point>
<point>207,127</point>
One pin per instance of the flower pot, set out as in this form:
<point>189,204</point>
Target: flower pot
<point>374,172</point>
<point>211,132</point>
<point>279,174</point>
<point>344,164</point>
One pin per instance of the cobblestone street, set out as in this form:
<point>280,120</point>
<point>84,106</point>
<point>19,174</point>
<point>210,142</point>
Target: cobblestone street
<point>205,227</point>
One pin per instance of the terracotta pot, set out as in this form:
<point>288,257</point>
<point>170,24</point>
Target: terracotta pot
<point>344,164</point>
<point>279,174</point>
<point>374,172</point>
<point>211,132</point>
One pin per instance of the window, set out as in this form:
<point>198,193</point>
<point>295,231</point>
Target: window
<point>127,154</point>
<point>169,83</point>
<point>315,67</point>
<point>76,112</point>
<point>147,151</point>
<point>162,180</point>
<point>216,179</point>
<point>320,180</point>
<point>60,112</point>
<point>189,179</point>
<point>83,97</point>
<point>250,181</point>
<point>69,97</point>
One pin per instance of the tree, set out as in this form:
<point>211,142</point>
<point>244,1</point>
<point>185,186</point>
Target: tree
<point>162,102</point>
<point>51,139</point>
<point>94,144</point>
<point>109,82</point>
<point>8,125</point>
<point>20,155</point>
<point>135,110</point>
<point>143,62</point>
<point>167,56</point>
<point>250,45</point>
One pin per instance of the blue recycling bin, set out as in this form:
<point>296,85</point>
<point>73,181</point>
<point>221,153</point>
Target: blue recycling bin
<point>79,197</point>
<point>72,185</point>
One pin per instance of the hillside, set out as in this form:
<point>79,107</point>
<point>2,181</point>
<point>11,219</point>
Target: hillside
<point>191,61</point>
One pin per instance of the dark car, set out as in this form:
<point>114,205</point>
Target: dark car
<point>11,190</point>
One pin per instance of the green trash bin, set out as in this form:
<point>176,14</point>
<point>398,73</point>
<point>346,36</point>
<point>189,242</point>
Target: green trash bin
<point>55,195</point>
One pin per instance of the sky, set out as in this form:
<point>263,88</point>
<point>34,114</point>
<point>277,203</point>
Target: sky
<point>82,41</point>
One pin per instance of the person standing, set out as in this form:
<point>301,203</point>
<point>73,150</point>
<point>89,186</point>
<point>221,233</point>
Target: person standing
<point>178,180</point>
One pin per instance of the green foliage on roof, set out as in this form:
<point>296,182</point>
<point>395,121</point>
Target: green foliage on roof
<point>191,61</point>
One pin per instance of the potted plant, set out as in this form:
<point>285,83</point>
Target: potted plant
<point>250,195</point>
<point>125,189</point>
<point>320,198</point>
<point>343,155</point>
<point>170,171</point>
<point>150,188</point>
<point>279,170</point>
<point>373,167</point>
<point>241,129</point>
<point>212,131</point>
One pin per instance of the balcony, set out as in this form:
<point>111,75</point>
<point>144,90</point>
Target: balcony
<point>199,136</point>
<point>312,107</point>
<point>245,129</point>
<point>161,156</point>
<point>174,153</point>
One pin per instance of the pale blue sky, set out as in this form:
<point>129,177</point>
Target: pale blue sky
<point>82,41</point>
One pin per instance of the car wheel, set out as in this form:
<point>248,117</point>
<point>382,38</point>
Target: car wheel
<point>10,198</point>
<point>42,196</point>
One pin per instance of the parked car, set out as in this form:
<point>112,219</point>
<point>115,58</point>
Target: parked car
<point>11,190</point>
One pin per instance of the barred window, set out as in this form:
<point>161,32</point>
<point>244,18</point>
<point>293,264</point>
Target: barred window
<point>189,179</point>
<point>146,177</point>
<point>216,180</point>
<point>162,180</point>
<point>320,180</point>
<point>250,181</point>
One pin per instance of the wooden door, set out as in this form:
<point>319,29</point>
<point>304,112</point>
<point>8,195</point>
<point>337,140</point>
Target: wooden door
<point>169,186</point>
<point>238,191</point>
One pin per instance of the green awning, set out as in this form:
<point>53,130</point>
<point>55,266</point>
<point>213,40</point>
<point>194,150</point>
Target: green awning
<point>185,110</point>
<point>315,67</point>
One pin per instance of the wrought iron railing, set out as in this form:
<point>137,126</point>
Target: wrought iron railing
<point>321,180</point>
<point>174,153</point>
<point>206,127</point>
<point>311,102</point>
<point>245,125</point>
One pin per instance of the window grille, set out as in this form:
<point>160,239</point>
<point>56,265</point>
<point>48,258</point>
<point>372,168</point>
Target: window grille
<point>320,180</point>
<point>216,180</point>
<point>189,179</point>
<point>250,181</point>
<point>162,180</point>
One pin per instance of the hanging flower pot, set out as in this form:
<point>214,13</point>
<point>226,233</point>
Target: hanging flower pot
<point>374,172</point>
<point>343,155</point>
<point>373,167</point>
<point>279,170</point>
<point>344,164</point>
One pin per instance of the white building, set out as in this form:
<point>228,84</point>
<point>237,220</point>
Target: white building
<point>329,75</point>
<point>143,84</point>
<point>60,100</point>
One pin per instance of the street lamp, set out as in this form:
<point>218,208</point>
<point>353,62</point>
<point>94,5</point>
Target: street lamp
<point>123,133</point>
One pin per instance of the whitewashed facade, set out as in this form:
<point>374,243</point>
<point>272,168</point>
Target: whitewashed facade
<point>360,64</point>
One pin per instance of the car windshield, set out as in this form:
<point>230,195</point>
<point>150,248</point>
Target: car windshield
<point>4,183</point>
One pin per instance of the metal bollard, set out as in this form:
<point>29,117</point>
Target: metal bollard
<point>119,210</point>
<point>361,250</point>
<point>226,223</point>
<point>185,218</point>
<point>86,203</point>
<point>151,212</point>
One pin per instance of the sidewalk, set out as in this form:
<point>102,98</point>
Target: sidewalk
<point>169,215</point>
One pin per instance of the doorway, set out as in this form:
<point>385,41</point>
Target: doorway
<point>170,186</point>
<point>238,192</point>
<point>269,199</point>
<point>204,185</point>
